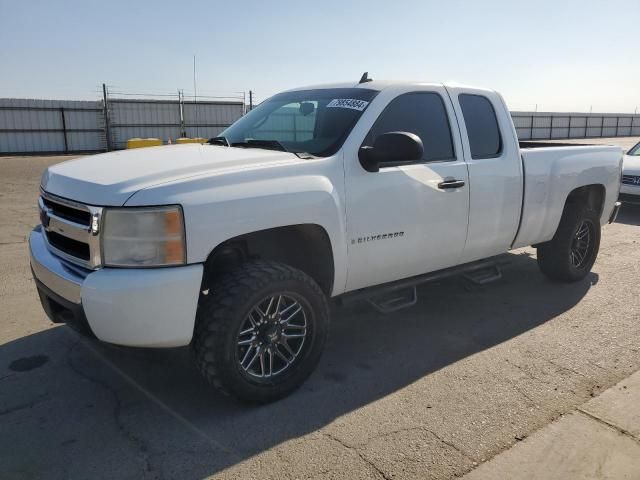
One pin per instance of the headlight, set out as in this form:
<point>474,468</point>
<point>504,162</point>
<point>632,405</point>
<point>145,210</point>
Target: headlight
<point>143,237</point>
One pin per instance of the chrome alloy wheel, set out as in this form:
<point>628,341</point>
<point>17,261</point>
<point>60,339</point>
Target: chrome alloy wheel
<point>272,336</point>
<point>581,244</point>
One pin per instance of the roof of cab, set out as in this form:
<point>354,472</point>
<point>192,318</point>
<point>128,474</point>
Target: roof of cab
<point>370,85</point>
<point>380,85</point>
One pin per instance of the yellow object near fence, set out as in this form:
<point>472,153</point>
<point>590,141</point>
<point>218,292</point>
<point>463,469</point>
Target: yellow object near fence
<point>143,142</point>
<point>192,140</point>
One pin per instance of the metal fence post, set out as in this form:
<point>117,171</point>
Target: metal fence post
<point>183,130</point>
<point>107,128</point>
<point>531,130</point>
<point>64,130</point>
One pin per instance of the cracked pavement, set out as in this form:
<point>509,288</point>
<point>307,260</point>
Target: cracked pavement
<point>432,391</point>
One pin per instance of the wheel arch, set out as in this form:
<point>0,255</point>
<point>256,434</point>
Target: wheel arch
<point>592,195</point>
<point>306,247</point>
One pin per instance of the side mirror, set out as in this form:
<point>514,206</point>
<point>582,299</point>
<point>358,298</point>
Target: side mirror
<point>391,149</point>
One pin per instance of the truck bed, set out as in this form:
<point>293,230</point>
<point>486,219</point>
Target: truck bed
<point>551,173</point>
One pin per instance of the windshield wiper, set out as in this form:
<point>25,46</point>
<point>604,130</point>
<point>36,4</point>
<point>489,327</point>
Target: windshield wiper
<point>267,144</point>
<point>219,141</point>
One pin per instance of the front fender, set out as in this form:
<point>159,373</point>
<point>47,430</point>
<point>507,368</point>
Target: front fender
<point>216,212</point>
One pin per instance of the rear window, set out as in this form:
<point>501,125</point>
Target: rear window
<point>482,126</point>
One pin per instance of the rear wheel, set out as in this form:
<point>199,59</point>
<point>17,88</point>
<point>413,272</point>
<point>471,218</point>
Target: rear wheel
<point>260,331</point>
<point>571,253</point>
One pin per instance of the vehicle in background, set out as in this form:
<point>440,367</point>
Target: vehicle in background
<point>630,189</point>
<point>352,191</point>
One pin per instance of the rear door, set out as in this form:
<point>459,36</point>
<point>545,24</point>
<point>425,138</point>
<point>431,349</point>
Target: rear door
<point>492,154</point>
<point>405,220</point>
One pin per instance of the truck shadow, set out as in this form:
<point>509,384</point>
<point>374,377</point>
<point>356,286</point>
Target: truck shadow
<point>629,214</point>
<point>100,411</point>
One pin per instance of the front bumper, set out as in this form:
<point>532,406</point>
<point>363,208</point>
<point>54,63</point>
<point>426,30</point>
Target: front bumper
<point>629,193</point>
<point>153,307</point>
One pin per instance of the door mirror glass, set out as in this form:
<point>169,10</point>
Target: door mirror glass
<point>391,149</point>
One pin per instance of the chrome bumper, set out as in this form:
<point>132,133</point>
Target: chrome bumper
<point>614,213</point>
<point>53,272</point>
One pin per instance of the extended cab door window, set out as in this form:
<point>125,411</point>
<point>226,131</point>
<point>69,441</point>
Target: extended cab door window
<point>482,126</point>
<point>495,171</point>
<point>420,113</point>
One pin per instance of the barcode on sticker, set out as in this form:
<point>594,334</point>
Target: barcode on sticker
<point>352,103</point>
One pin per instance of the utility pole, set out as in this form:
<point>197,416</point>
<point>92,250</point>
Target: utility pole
<point>107,129</point>
<point>250,100</point>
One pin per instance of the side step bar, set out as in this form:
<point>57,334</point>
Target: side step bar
<point>399,294</point>
<point>485,275</point>
<point>394,301</point>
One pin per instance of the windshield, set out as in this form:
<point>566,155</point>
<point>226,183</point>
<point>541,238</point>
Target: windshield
<point>635,151</point>
<point>315,122</point>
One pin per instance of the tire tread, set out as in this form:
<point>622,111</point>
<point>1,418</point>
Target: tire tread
<point>229,294</point>
<point>553,260</point>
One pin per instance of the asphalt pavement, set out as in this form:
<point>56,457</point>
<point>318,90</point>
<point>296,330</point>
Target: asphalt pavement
<point>433,391</point>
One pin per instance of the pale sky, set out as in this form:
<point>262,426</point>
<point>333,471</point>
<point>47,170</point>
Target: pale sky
<point>561,55</point>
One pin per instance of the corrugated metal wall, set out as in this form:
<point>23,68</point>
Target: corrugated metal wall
<point>64,126</point>
<point>161,119</point>
<point>34,126</point>
<point>143,119</point>
<point>28,125</point>
<point>287,124</point>
<point>552,125</point>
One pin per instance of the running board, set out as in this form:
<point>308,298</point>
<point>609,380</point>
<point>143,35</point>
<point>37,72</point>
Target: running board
<point>393,296</point>
<point>485,275</point>
<point>394,301</point>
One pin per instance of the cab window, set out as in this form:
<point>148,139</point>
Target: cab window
<point>423,114</point>
<point>482,126</point>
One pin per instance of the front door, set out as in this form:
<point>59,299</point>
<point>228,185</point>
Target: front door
<point>406,220</point>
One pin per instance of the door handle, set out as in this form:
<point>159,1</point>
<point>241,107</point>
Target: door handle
<point>451,183</point>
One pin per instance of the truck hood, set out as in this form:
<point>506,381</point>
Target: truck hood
<point>109,179</point>
<point>631,165</point>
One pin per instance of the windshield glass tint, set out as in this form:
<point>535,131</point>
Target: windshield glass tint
<point>304,121</point>
<point>635,151</point>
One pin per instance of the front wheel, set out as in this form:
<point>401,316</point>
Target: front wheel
<point>571,253</point>
<point>260,331</point>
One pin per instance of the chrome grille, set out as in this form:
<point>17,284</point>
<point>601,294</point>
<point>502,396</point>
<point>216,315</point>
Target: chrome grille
<point>72,229</point>
<point>631,180</point>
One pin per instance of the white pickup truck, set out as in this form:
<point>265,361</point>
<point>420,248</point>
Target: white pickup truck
<point>358,190</point>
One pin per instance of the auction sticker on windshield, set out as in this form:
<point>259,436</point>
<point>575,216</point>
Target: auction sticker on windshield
<point>352,103</point>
